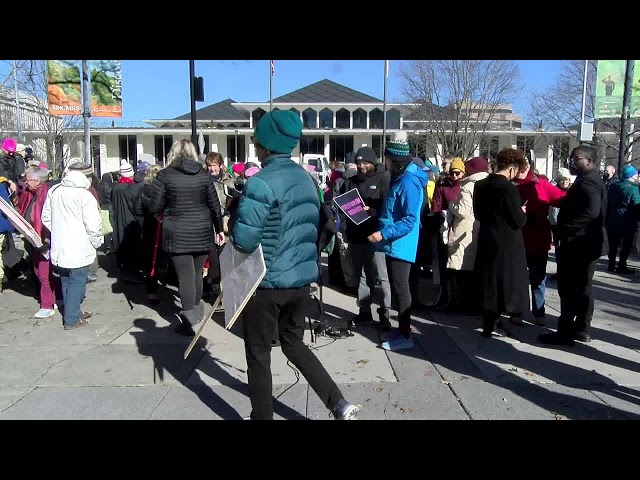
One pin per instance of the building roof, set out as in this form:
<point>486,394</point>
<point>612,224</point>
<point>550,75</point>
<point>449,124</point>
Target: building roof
<point>223,110</point>
<point>326,91</point>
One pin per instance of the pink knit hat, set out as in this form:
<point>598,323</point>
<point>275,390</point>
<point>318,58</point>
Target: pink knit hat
<point>238,168</point>
<point>9,144</point>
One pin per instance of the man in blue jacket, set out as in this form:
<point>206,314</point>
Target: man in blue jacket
<point>399,232</point>
<point>279,209</point>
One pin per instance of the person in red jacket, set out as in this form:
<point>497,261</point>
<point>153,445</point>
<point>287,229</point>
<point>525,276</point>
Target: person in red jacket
<point>539,195</point>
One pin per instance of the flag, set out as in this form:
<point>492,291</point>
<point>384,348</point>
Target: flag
<point>273,67</point>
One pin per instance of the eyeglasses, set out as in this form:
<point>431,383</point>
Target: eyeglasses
<point>575,159</point>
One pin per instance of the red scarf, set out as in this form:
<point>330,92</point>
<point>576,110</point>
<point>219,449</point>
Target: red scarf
<point>36,212</point>
<point>126,180</point>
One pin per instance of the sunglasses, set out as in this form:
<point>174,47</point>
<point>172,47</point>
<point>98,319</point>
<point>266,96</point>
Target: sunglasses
<point>456,172</point>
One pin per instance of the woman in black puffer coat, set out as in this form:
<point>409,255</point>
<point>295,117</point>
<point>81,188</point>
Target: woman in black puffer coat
<point>186,196</point>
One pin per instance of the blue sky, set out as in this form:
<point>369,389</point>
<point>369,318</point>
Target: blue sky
<point>158,89</point>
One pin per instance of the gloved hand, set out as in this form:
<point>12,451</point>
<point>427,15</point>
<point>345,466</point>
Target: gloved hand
<point>344,246</point>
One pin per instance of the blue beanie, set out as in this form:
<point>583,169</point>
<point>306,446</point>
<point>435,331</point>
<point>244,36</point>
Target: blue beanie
<point>627,172</point>
<point>279,131</point>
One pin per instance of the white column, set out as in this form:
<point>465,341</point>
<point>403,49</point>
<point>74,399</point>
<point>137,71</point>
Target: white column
<point>549,169</point>
<point>334,119</point>
<point>139,147</point>
<point>327,147</point>
<point>351,120</point>
<point>368,119</point>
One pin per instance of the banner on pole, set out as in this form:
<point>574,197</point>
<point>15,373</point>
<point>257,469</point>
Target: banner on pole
<point>635,90</point>
<point>106,88</point>
<point>609,88</point>
<point>64,91</point>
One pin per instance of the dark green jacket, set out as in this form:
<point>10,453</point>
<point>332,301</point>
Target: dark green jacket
<point>280,209</point>
<point>624,208</point>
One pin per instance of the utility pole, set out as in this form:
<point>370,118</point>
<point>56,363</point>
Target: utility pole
<point>18,113</point>
<point>626,108</point>
<point>86,114</point>
<point>383,143</point>
<point>192,83</point>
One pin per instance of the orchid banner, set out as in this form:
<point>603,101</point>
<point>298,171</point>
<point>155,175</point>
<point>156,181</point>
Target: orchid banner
<point>64,91</point>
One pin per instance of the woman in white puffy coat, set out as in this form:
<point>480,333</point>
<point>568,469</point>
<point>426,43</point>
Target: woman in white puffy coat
<point>463,237</point>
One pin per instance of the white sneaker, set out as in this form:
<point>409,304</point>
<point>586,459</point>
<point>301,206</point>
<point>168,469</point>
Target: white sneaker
<point>45,313</point>
<point>346,411</point>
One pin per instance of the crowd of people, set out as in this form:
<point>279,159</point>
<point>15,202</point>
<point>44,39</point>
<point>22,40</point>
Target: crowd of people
<point>481,229</point>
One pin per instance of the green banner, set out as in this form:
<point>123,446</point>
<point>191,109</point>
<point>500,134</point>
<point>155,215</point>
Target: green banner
<point>635,90</point>
<point>106,88</point>
<point>609,88</point>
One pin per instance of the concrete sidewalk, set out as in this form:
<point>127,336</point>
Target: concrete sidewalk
<point>128,363</point>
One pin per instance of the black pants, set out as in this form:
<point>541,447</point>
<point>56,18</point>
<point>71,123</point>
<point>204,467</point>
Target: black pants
<point>398,271</point>
<point>189,271</point>
<point>575,279</point>
<point>614,242</point>
<point>214,276</point>
<point>286,311</point>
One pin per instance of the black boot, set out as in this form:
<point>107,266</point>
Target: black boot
<point>363,318</point>
<point>383,316</point>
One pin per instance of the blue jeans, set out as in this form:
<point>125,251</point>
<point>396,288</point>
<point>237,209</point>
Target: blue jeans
<point>74,287</point>
<point>537,265</point>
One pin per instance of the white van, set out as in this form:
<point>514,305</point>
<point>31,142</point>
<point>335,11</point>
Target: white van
<point>321,165</point>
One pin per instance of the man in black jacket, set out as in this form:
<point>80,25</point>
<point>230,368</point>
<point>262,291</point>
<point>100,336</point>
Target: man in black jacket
<point>580,240</point>
<point>372,182</point>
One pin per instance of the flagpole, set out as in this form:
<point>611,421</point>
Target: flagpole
<point>270,85</point>
<point>384,108</point>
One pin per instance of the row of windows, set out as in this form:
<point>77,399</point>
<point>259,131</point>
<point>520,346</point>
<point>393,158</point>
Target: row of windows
<point>340,145</point>
<point>324,119</point>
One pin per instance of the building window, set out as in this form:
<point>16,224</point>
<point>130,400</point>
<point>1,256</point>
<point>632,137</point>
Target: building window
<point>359,118</point>
<point>312,144</point>
<point>339,146</point>
<point>128,149</point>
<point>376,142</point>
<point>489,147</point>
<point>376,118</point>
<point>310,118</point>
<point>343,118</point>
<point>326,118</point>
<point>162,145</point>
<point>525,143</point>
<point>393,118</point>
<point>236,148</point>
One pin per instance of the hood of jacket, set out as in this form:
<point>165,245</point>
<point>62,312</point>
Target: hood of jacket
<point>187,166</point>
<point>76,179</point>
<point>417,174</point>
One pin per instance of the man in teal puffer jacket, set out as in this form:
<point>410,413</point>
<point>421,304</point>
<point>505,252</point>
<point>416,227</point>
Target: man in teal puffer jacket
<point>623,213</point>
<point>279,209</point>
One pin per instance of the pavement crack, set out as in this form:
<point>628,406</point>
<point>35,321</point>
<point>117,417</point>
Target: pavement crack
<point>153,410</point>
<point>48,369</point>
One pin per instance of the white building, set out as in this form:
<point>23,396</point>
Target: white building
<point>336,120</point>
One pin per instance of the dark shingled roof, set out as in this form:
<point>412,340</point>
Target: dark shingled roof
<point>326,91</point>
<point>223,110</point>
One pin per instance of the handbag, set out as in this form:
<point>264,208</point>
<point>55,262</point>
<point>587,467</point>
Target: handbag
<point>107,228</point>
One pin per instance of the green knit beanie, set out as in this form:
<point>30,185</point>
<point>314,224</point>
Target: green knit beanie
<point>279,131</point>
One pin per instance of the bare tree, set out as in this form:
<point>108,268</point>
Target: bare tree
<point>559,108</point>
<point>458,100</point>
<point>51,129</point>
